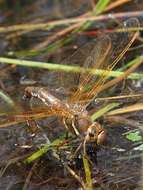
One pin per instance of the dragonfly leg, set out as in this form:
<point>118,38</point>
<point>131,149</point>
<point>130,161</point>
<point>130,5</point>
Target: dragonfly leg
<point>70,126</point>
<point>37,133</point>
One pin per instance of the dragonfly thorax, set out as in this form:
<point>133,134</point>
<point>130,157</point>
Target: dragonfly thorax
<point>77,109</point>
<point>80,121</point>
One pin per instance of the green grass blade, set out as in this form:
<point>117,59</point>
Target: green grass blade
<point>130,63</point>
<point>70,68</point>
<point>7,99</point>
<point>100,6</point>
<point>104,110</point>
<point>87,174</point>
<point>44,150</point>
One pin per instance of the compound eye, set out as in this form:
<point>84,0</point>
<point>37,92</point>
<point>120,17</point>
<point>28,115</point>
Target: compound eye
<point>102,138</point>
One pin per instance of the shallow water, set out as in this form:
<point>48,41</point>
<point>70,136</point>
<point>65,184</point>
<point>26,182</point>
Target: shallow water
<point>118,164</point>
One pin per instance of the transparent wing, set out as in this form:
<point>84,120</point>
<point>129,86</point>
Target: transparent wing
<point>106,53</point>
<point>12,118</point>
<point>101,48</point>
<point>67,82</point>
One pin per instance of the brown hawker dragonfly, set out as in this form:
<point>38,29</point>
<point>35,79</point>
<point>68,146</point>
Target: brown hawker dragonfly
<point>103,54</point>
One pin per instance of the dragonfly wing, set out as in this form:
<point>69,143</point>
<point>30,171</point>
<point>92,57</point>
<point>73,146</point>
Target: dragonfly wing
<point>104,60</point>
<point>66,82</point>
<point>12,118</point>
<point>101,48</point>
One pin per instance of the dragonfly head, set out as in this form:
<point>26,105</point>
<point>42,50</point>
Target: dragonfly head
<point>95,133</point>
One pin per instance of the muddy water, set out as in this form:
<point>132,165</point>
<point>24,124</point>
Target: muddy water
<point>118,164</point>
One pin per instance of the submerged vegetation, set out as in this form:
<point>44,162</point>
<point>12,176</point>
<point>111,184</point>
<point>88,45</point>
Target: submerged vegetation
<point>71,94</point>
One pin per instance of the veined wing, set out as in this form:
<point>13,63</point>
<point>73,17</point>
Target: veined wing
<point>101,48</point>
<point>106,53</point>
<point>12,118</point>
<point>66,83</point>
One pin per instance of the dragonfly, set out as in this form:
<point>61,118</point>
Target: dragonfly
<point>100,54</point>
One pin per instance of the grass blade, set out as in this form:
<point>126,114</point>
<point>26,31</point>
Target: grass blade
<point>70,68</point>
<point>44,150</point>
<point>104,110</point>
<point>87,174</point>
<point>100,6</point>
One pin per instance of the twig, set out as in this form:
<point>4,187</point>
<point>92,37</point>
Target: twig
<point>116,4</point>
<point>71,171</point>
<point>29,176</point>
<point>127,109</point>
<point>122,120</point>
<point>77,20</point>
